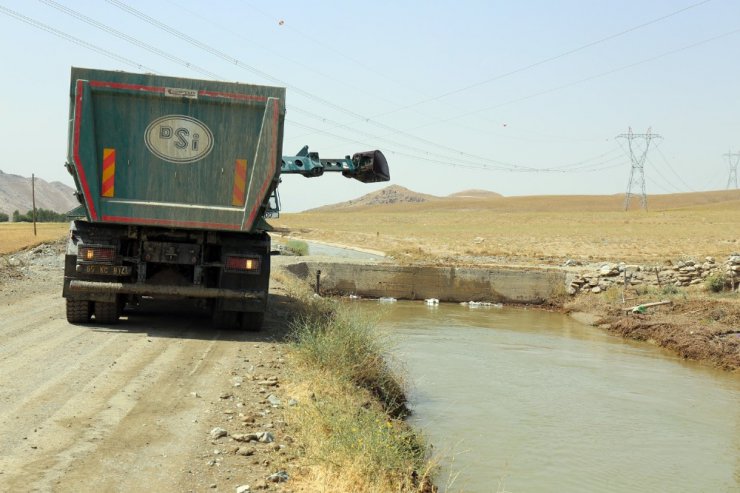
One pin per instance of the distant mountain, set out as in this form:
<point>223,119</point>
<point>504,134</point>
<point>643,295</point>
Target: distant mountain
<point>475,194</point>
<point>393,194</point>
<point>15,194</point>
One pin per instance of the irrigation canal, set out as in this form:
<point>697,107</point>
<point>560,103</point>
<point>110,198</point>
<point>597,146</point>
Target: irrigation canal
<point>521,400</point>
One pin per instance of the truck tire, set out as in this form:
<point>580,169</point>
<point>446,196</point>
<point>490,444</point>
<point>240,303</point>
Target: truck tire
<point>106,312</point>
<point>251,321</point>
<point>78,311</point>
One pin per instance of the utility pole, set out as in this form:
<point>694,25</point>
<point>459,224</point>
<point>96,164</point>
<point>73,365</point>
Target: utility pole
<point>638,155</point>
<point>33,201</point>
<point>733,158</point>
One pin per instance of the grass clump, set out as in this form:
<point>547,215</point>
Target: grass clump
<point>670,289</point>
<point>344,344</point>
<point>296,247</point>
<point>715,283</point>
<point>349,421</point>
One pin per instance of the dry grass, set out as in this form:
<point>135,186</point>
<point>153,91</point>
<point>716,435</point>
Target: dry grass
<point>542,229</point>
<point>349,420</point>
<point>17,236</point>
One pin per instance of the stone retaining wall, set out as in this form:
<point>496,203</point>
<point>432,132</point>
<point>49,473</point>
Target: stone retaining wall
<point>681,273</point>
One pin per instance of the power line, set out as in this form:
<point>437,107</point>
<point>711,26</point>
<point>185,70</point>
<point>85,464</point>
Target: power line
<point>72,39</point>
<point>663,177</point>
<point>535,64</point>
<point>583,80</point>
<point>129,39</point>
<point>550,59</point>
<point>665,160</point>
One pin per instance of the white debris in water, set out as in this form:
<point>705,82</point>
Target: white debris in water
<point>387,299</point>
<point>481,304</point>
<point>431,301</point>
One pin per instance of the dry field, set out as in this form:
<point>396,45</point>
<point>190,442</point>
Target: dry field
<point>541,229</point>
<point>16,236</point>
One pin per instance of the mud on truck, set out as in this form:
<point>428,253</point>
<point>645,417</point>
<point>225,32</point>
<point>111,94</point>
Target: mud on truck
<point>175,178</point>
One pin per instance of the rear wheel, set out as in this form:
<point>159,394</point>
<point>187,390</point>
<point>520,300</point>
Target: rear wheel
<point>106,312</point>
<point>78,311</point>
<point>251,321</point>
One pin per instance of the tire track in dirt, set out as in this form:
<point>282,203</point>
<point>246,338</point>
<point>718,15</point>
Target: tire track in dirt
<point>80,408</point>
<point>124,407</point>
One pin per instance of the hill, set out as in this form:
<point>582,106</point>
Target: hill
<point>397,198</point>
<point>393,194</point>
<point>15,194</point>
<point>474,194</point>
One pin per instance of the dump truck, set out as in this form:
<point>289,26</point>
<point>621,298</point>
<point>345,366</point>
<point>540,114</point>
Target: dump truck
<point>175,178</point>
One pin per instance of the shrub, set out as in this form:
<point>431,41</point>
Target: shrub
<point>715,283</point>
<point>297,247</point>
<point>669,289</point>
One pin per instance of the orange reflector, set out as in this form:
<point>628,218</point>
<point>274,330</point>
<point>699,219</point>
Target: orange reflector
<point>240,182</point>
<point>96,254</point>
<point>109,172</point>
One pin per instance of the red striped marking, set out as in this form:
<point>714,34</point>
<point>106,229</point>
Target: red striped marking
<point>76,152</point>
<point>160,90</point>
<point>240,182</point>
<point>109,172</point>
<point>273,160</point>
<point>243,97</point>
<point>130,87</point>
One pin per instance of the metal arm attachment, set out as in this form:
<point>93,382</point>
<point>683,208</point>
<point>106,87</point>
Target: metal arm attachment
<point>367,167</point>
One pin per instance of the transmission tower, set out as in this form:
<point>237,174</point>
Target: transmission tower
<point>733,158</point>
<point>638,155</point>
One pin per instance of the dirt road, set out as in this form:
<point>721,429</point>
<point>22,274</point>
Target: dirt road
<point>130,407</point>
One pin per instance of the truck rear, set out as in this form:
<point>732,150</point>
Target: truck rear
<point>174,177</point>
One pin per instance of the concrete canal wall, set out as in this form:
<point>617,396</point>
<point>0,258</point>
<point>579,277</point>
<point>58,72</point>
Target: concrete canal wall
<point>494,284</point>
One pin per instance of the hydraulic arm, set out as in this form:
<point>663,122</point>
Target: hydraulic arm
<point>367,167</point>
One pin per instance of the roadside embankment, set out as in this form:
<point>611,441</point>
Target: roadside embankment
<point>348,417</point>
<point>696,327</point>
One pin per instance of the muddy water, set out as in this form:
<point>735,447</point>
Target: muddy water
<point>528,401</point>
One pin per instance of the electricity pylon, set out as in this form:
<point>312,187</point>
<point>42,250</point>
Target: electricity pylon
<point>638,155</point>
<point>733,158</point>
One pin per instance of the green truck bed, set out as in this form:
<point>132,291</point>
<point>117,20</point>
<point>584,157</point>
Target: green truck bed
<point>173,152</point>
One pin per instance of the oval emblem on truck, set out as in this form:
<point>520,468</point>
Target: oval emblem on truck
<point>178,139</point>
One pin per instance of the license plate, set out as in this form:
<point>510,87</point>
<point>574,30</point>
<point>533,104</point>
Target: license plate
<point>106,270</point>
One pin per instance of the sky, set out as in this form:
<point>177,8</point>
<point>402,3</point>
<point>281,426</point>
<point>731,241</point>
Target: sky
<point>519,98</point>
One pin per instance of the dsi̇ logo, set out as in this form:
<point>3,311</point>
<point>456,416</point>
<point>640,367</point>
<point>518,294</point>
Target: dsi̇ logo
<point>178,139</point>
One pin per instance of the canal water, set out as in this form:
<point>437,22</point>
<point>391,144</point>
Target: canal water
<point>518,400</point>
<point>323,250</point>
